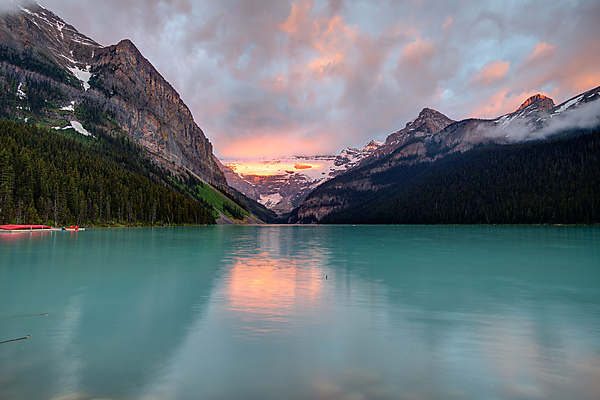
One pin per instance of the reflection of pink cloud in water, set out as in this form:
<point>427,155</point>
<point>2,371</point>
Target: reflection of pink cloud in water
<point>264,292</point>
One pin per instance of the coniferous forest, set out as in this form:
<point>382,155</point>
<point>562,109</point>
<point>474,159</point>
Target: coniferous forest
<point>550,182</point>
<point>48,178</point>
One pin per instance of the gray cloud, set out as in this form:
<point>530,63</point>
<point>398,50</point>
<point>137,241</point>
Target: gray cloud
<point>342,72</point>
<point>11,5</point>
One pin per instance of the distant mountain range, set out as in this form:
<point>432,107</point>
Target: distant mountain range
<point>432,137</point>
<point>282,184</point>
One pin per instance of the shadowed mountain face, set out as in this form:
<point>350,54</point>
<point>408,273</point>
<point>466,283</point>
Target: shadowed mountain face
<point>127,95</point>
<point>432,136</point>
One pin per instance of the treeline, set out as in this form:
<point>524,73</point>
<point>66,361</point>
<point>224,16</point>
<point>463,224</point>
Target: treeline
<point>51,179</point>
<point>39,62</point>
<point>553,182</point>
<point>36,95</point>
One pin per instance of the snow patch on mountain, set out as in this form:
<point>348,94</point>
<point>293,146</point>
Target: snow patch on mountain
<point>47,17</point>
<point>568,104</point>
<point>70,107</point>
<point>20,93</point>
<point>79,128</point>
<point>83,75</point>
<point>76,126</point>
<point>270,200</point>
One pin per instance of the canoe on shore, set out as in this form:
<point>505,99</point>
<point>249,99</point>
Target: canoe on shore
<point>23,227</point>
<point>36,228</point>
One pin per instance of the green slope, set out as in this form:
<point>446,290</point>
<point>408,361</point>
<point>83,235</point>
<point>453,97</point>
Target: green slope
<point>48,178</point>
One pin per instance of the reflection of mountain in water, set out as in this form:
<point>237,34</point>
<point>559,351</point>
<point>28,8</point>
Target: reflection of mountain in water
<point>129,296</point>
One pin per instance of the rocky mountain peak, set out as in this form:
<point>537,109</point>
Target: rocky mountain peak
<point>372,145</point>
<point>127,45</point>
<point>429,121</point>
<point>539,102</point>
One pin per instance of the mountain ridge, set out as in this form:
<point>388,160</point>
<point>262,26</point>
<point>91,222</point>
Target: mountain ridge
<point>537,118</point>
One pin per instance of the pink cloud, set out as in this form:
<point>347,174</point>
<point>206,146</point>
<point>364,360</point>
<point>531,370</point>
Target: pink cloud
<point>491,72</point>
<point>261,145</point>
<point>541,52</point>
<point>418,52</point>
<point>299,27</point>
<point>422,68</point>
<point>448,23</point>
<point>321,45</point>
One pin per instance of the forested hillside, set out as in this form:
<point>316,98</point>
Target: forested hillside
<point>554,182</point>
<point>49,178</point>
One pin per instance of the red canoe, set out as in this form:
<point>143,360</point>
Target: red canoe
<point>22,227</point>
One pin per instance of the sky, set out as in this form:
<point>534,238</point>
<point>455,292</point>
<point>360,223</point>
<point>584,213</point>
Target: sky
<point>267,78</point>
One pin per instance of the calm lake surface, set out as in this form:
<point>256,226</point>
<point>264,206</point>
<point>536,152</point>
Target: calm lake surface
<point>301,312</point>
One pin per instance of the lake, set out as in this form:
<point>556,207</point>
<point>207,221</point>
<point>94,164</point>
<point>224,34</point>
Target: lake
<point>301,312</point>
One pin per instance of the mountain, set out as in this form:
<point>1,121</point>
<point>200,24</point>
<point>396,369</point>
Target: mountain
<point>432,137</point>
<point>54,76</point>
<point>536,182</point>
<point>427,123</point>
<point>282,184</point>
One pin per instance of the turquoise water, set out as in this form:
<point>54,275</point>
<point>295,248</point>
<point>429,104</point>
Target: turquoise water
<point>301,312</point>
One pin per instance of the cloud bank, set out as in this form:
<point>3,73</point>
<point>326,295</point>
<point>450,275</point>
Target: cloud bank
<point>297,77</point>
<point>584,116</point>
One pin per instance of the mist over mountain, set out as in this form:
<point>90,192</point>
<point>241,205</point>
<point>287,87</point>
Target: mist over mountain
<point>538,118</point>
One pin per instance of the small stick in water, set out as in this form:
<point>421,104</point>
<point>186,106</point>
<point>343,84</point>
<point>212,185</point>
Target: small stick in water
<point>14,340</point>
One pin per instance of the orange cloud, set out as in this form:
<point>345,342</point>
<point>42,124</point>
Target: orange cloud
<point>326,41</point>
<point>262,168</point>
<point>491,72</point>
<point>333,45</point>
<point>542,51</point>
<point>579,75</point>
<point>272,145</point>
<point>539,59</point>
<point>585,81</point>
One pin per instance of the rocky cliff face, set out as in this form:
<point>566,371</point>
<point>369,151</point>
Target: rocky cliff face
<point>537,103</point>
<point>116,79</point>
<point>151,111</point>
